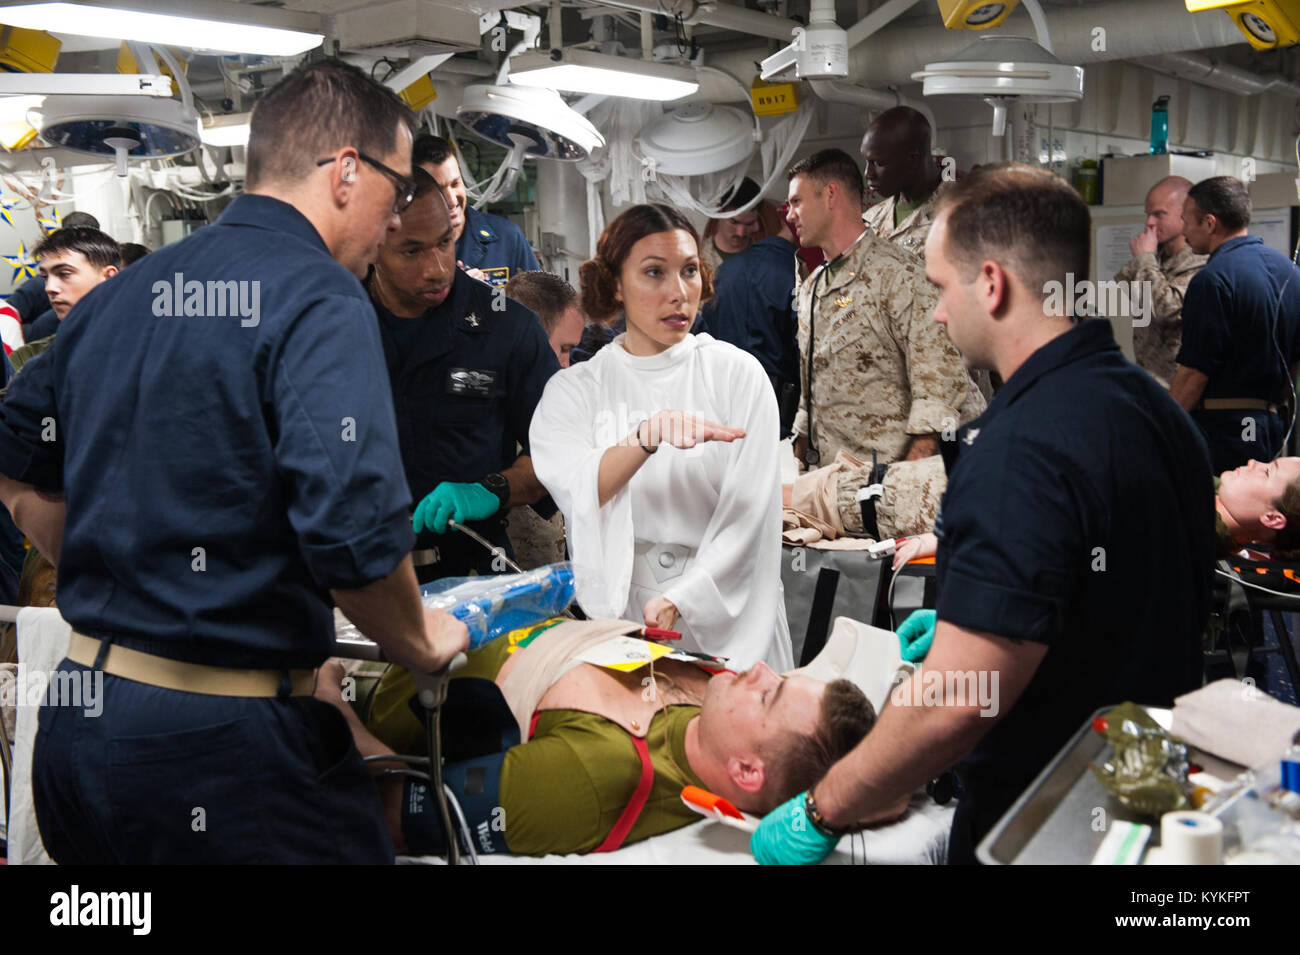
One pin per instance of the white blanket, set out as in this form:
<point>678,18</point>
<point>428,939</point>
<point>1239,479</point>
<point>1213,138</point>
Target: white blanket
<point>919,838</point>
<point>42,642</point>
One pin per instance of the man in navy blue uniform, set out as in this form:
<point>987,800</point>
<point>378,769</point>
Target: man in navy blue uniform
<point>491,248</point>
<point>1055,597</point>
<point>467,366</point>
<point>1241,329</point>
<point>31,301</point>
<point>753,308</point>
<point>219,425</point>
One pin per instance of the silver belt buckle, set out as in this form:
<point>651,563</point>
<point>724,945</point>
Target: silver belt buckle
<point>423,558</point>
<point>665,561</point>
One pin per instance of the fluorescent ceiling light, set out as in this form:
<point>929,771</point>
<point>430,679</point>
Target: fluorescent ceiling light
<point>206,25</point>
<point>86,84</point>
<point>14,109</point>
<point>228,130</point>
<point>584,71</point>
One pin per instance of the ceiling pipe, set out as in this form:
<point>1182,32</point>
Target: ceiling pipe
<point>716,14</point>
<point>1128,32</point>
<point>1222,76</point>
<point>838,91</point>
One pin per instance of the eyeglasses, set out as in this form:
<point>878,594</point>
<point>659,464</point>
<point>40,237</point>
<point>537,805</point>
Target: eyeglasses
<point>403,186</point>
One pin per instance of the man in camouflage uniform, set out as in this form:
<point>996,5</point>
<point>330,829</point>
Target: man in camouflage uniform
<point>1164,263</point>
<point>900,168</point>
<point>885,378</point>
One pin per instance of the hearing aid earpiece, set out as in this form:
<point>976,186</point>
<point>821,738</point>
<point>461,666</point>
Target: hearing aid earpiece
<point>349,170</point>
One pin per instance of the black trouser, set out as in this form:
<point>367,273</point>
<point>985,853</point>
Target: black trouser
<point>137,774</point>
<point>1238,435</point>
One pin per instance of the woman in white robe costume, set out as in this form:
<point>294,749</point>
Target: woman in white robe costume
<point>671,517</point>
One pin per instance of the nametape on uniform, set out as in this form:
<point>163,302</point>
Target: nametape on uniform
<point>472,382</point>
<point>497,277</point>
<point>624,654</point>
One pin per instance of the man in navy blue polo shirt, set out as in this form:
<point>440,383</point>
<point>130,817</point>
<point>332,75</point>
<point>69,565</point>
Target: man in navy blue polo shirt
<point>220,426</point>
<point>467,366</point>
<point>1075,538</point>
<point>753,308</point>
<point>1241,329</point>
<point>491,248</point>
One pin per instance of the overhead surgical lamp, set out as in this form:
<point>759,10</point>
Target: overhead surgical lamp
<point>697,139</point>
<point>586,71</point>
<point>819,51</point>
<point>535,121</point>
<point>1004,70</point>
<point>125,126</point>
<point>204,24</point>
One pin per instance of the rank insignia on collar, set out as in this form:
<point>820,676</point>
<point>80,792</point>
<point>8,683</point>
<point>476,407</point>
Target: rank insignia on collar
<point>844,302</point>
<point>472,319</point>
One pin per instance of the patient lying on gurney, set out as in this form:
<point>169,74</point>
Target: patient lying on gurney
<point>560,761</point>
<point>1257,510</point>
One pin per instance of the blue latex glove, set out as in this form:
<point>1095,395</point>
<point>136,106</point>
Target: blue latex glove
<point>916,634</point>
<point>457,502</point>
<point>786,836</point>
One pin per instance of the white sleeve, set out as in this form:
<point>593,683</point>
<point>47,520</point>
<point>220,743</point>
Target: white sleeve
<point>732,593</point>
<point>567,439</point>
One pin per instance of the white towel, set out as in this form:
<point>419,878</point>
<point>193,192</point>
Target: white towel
<point>43,637</point>
<point>1237,722</point>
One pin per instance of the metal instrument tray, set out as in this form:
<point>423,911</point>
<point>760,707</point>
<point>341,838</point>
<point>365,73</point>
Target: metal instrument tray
<point>1052,823</point>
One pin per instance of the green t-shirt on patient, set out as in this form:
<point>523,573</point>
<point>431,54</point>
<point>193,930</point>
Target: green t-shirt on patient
<point>563,790</point>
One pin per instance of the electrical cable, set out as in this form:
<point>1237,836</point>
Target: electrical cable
<point>1277,311</point>
<point>1245,583</point>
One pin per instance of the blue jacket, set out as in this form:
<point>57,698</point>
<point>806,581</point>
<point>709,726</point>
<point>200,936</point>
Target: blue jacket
<point>495,245</point>
<point>220,421</point>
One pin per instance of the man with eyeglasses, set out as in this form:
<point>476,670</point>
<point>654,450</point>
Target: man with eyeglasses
<point>467,367</point>
<point>225,438</point>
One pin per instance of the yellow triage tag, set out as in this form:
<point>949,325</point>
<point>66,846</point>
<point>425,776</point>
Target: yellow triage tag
<point>624,653</point>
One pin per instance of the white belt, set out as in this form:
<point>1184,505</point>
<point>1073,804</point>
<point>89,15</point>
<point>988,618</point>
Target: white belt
<point>657,565</point>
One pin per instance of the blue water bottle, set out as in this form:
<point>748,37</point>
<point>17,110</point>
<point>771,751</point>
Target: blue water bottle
<point>1160,126</point>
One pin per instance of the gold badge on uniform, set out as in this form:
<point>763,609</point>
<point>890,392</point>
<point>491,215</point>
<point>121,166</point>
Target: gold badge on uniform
<point>844,302</point>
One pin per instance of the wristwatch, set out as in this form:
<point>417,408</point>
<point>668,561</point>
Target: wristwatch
<point>498,485</point>
<point>819,822</point>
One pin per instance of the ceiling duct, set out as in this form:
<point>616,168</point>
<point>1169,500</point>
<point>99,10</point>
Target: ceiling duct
<point>408,28</point>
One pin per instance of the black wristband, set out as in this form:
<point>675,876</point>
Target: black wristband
<point>818,821</point>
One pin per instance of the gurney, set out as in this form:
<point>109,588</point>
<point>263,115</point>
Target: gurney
<point>870,658</point>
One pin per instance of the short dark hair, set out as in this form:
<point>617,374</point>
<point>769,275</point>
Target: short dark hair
<point>546,294</point>
<point>1026,219</point>
<point>1286,542</point>
<point>1224,197</point>
<point>133,252</point>
<point>797,760</point>
<point>745,192</point>
<point>830,164</point>
<point>315,110</point>
<point>99,249</point>
<point>431,149</point>
<point>75,220</point>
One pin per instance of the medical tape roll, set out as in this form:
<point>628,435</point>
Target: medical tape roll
<point>1190,838</point>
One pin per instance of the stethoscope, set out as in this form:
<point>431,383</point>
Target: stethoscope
<point>812,457</point>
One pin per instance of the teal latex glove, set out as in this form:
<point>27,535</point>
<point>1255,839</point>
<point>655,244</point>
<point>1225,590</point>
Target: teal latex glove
<point>916,634</point>
<point>456,502</point>
<point>786,836</point>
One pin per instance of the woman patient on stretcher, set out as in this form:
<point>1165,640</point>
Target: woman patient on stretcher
<point>1256,514</point>
<point>547,754</point>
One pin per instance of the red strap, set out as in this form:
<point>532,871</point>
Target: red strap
<point>634,805</point>
<point>532,726</point>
